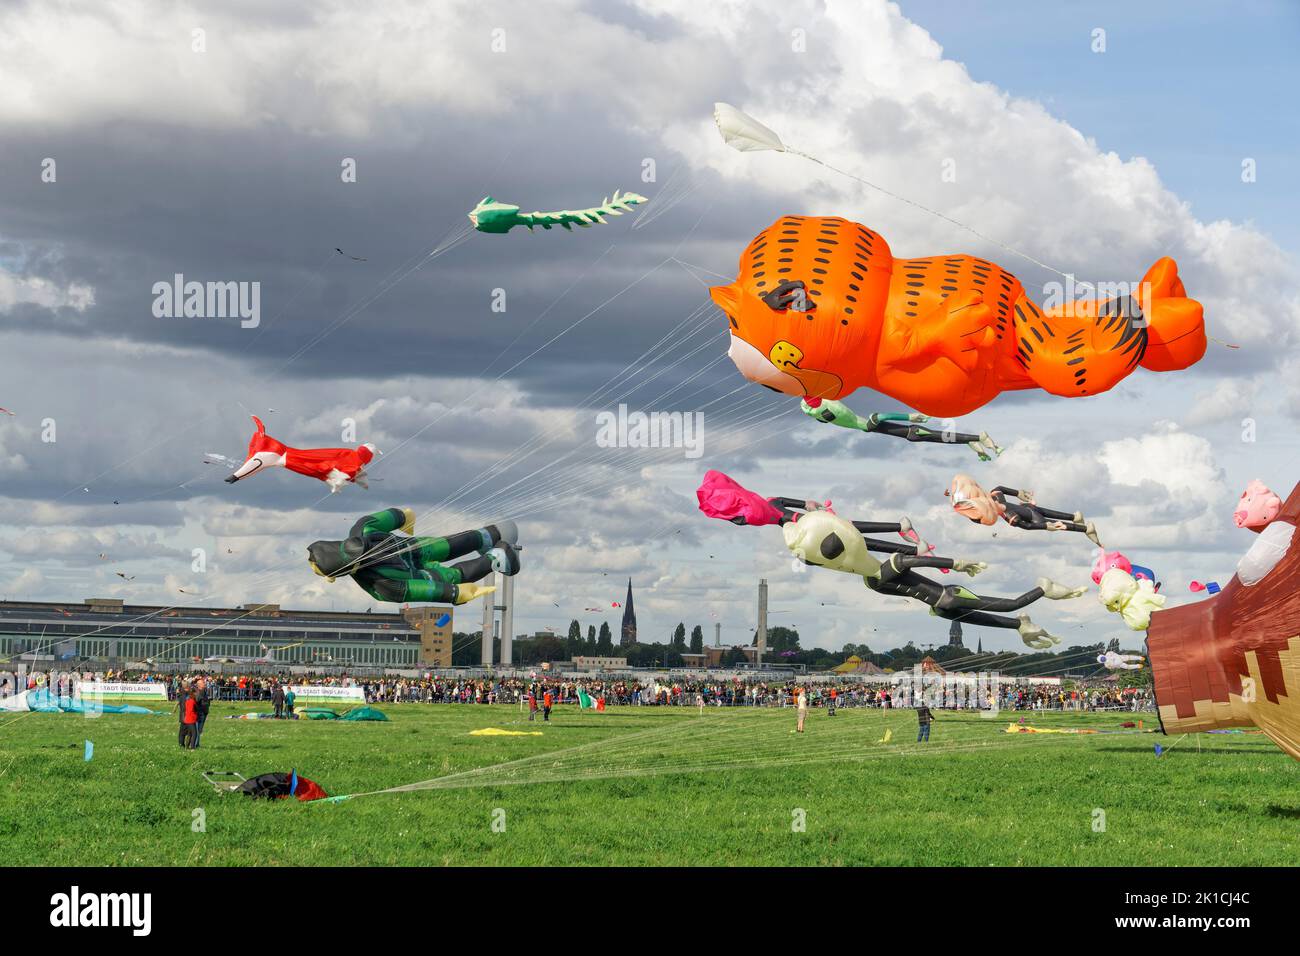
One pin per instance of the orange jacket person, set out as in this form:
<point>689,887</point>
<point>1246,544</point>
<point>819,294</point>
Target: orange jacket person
<point>821,308</point>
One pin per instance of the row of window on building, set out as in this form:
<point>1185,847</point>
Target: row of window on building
<point>98,648</point>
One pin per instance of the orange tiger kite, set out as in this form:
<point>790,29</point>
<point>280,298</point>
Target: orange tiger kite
<point>822,308</point>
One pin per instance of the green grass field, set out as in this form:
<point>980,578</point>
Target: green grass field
<point>644,786</point>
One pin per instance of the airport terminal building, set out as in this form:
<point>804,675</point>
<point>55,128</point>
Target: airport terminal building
<point>113,634</point>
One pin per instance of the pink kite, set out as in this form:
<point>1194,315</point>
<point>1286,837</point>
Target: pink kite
<point>1107,560</point>
<point>1257,507</point>
<point>1114,559</point>
<point>721,497</point>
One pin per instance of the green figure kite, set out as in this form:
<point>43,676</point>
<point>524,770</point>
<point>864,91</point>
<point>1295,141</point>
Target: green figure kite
<point>493,216</point>
<point>892,423</point>
<point>397,568</point>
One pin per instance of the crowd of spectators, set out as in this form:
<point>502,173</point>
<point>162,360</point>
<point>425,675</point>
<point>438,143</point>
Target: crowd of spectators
<point>700,691</point>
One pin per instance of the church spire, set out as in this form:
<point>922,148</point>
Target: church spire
<point>628,635</point>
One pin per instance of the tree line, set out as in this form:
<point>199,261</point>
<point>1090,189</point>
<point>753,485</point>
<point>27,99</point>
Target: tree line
<point>783,648</point>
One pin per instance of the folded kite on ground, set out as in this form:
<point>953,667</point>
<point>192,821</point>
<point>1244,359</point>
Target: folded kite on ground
<point>42,701</point>
<point>355,714</point>
<point>1027,729</point>
<point>257,716</point>
<point>279,786</point>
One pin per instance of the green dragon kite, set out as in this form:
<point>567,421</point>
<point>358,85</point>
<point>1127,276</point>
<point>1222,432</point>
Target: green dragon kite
<point>493,216</point>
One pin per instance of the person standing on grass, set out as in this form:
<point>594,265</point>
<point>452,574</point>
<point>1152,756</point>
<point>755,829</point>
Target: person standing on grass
<point>201,705</point>
<point>801,706</point>
<point>289,698</point>
<point>532,704</point>
<point>277,701</point>
<point>189,720</point>
<point>546,707</point>
<point>923,719</point>
<point>182,694</point>
<point>830,707</point>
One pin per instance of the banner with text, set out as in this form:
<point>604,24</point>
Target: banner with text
<point>313,694</point>
<point>106,690</point>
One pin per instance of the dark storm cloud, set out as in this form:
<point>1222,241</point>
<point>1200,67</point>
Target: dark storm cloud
<point>136,205</point>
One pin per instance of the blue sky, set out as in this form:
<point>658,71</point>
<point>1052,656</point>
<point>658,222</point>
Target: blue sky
<point>1192,86</point>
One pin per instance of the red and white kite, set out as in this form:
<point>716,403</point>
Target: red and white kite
<point>334,466</point>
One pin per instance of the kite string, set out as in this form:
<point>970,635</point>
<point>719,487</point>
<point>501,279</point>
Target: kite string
<point>380,552</point>
<point>933,212</point>
<point>515,457</point>
<point>956,222</point>
<point>441,246</point>
<point>453,236</point>
<point>856,753</point>
<point>537,442</point>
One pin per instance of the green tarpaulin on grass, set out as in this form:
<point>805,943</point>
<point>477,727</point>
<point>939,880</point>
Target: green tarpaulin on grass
<point>356,713</point>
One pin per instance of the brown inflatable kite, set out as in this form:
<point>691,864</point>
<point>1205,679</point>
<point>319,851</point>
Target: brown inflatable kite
<point>1234,660</point>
